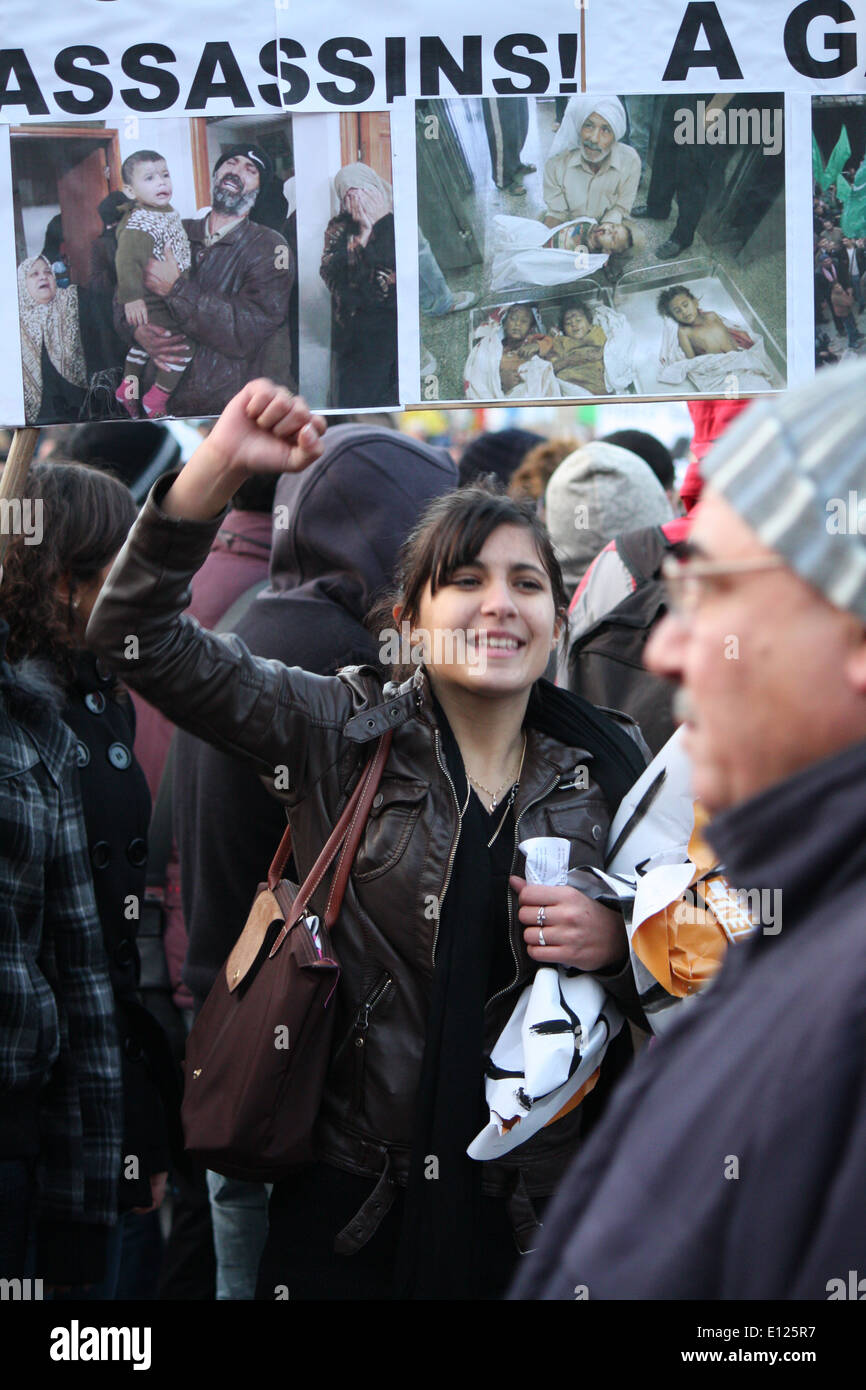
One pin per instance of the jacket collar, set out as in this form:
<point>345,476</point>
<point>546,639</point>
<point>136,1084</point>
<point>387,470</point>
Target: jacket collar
<point>547,760</point>
<point>196,229</point>
<point>805,836</point>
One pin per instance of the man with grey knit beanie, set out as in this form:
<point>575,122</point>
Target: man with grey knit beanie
<point>730,1162</point>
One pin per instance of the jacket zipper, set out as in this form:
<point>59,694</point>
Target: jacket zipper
<point>541,795</point>
<point>359,1039</point>
<point>453,853</point>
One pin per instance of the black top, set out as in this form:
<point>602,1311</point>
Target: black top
<point>442,1251</point>
<point>61,399</point>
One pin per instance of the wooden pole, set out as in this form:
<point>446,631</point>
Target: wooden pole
<point>14,474</point>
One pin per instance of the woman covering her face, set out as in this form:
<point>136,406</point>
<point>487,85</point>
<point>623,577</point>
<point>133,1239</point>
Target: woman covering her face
<point>55,375</point>
<point>360,270</point>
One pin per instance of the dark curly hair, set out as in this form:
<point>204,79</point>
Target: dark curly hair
<point>665,299</point>
<point>86,515</point>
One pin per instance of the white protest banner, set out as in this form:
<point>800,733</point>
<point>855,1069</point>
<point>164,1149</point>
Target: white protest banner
<point>520,206</point>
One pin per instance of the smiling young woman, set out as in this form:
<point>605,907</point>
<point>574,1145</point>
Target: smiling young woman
<point>437,937</point>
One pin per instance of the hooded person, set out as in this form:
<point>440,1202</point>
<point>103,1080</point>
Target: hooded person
<point>589,172</point>
<point>55,375</point>
<point>359,268</point>
<point>595,494</point>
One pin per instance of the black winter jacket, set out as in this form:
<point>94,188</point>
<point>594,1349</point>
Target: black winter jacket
<point>730,1163</point>
<point>116,806</point>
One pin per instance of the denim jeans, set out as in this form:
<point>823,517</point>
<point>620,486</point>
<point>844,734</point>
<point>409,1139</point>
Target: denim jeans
<point>239,1214</point>
<point>434,295</point>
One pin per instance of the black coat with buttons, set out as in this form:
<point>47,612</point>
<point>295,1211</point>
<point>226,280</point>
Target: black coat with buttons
<point>117,813</point>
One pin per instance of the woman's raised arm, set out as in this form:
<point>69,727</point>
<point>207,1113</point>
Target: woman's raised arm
<point>263,429</point>
<point>212,685</point>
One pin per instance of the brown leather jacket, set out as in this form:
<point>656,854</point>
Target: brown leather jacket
<point>318,732</point>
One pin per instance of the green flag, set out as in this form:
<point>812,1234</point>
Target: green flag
<point>853,220</point>
<point>818,173</point>
<point>838,159</point>
<point>843,188</point>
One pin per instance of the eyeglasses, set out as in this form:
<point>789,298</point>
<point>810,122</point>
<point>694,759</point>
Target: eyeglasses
<point>688,581</point>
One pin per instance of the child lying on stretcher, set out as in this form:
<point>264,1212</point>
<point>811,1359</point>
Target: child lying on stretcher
<point>575,350</point>
<point>520,341</point>
<point>612,238</point>
<point>700,330</point>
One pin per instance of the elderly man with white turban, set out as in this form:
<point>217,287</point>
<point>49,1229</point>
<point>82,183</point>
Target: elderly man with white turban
<point>589,172</point>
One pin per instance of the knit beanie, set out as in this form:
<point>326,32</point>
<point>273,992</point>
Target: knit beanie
<point>595,494</point>
<point>254,153</point>
<point>794,468</point>
<point>270,208</point>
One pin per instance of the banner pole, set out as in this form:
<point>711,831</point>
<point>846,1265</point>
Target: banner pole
<point>14,473</point>
<point>582,13</point>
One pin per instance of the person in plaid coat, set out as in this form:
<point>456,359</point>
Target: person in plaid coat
<point>60,1095</point>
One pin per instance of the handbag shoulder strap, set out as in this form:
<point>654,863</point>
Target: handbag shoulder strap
<point>346,833</point>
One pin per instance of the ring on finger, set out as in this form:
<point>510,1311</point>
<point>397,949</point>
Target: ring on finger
<point>541,940</point>
<point>541,916</point>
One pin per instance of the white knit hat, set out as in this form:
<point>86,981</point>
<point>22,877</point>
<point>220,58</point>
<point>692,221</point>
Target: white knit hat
<point>596,493</point>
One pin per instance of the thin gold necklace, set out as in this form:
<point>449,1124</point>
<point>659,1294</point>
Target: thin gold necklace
<point>509,803</point>
<point>501,788</point>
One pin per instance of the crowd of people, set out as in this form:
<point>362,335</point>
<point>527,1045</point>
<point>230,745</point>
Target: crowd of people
<point>178,683</point>
<point>840,264</point>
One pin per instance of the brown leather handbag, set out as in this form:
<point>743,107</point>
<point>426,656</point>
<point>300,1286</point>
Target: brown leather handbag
<point>258,1052</point>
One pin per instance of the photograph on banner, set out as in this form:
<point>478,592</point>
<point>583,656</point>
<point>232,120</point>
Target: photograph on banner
<point>839,226</point>
<point>348,271</point>
<point>155,264</point>
<point>601,245</point>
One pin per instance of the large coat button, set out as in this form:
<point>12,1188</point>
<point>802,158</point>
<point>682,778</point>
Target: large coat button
<point>95,701</point>
<point>123,952</point>
<point>136,852</point>
<point>100,854</point>
<point>82,754</point>
<point>119,756</point>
